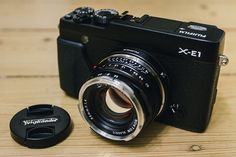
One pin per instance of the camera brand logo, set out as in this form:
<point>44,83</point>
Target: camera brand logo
<point>183,31</point>
<point>192,53</point>
<point>39,121</point>
<point>197,27</point>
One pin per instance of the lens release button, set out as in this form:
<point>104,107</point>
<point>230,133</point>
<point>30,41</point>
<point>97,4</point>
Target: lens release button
<point>177,110</point>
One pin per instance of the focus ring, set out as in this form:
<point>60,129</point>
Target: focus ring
<point>86,114</point>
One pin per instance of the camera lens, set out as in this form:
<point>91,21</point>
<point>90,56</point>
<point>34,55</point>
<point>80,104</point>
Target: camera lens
<point>113,108</point>
<point>117,101</point>
<point>125,93</point>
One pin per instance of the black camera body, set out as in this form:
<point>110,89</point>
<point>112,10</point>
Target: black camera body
<point>187,57</point>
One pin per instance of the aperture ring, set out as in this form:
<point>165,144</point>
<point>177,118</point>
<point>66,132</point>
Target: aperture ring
<point>140,65</point>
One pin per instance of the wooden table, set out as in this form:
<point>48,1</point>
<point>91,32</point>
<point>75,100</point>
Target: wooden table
<point>29,75</point>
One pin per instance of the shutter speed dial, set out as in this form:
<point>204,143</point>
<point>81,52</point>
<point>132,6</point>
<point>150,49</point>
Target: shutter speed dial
<point>84,10</point>
<point>87,14</point>
<point>83,14</point>
<point>103,16</point>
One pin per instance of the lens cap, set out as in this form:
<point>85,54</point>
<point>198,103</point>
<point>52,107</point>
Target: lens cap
<point>40,126</point>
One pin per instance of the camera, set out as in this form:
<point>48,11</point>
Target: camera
<point>129,71</point>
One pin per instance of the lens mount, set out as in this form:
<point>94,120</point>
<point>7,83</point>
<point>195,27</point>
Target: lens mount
<point>125,94</point>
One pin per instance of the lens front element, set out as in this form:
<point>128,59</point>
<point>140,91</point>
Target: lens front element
<point>117,101</point>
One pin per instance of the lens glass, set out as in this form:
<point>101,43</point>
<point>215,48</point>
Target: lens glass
<point>117,101</point>
<point>113,107</point>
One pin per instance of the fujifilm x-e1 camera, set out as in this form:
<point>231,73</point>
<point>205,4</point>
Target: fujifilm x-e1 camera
<point>127,71</point>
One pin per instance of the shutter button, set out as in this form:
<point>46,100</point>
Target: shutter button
<point>103,16</point>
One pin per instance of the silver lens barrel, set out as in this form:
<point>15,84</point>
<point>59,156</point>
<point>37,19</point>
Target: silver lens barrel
<point>127,91</point>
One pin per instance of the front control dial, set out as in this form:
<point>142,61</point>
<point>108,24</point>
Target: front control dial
<point>103,16</point>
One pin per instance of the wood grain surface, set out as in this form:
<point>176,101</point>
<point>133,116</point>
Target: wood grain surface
<point>29,75</point>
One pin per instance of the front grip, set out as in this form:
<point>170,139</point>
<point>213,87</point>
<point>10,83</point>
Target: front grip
<point>73,68</point>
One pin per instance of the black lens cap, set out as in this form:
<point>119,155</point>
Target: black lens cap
<point>40,126</point>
